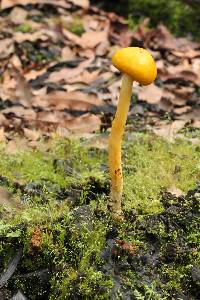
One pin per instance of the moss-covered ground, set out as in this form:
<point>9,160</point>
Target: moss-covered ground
<point>57,221</point>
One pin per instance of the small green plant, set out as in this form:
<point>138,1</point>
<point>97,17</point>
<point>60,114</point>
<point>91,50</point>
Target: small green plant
<point>76,26</point>
<point>24,28</point>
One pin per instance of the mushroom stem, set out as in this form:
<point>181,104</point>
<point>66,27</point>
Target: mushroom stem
<point>115,142</point>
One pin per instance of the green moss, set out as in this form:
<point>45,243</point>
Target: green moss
<point>63,188</point>
<point>152,165</point>
<point>175,14</point>
<point>76,26</point>
<point>24,28</point>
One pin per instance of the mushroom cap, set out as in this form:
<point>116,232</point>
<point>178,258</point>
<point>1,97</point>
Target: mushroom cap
<point>137,62</point>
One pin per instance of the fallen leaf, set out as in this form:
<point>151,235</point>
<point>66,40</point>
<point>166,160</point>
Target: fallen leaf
<point>16,62</point>
<point>51,117</point>
<point>169,131</point>
<point>98,141</point>
<point>20,112</point>
<point>91,39</point>
<point>165,105</point>
<point>85,77</point>
<point>16,146</point>
<point>6,48</point>
<point>67,54</point>
<point>36,239</point>
<point>195,124</point>
<point>182,110</point>
<point>2,135</point>
<point>73,100</point>
<point>81,3</point>
<point>18,15</point>
<point>23,90</point>
<point>84,124</point>
<point>42,34</point>
<point>33,74</point>
<point>151,94</point>
<point>7,199</point>
<point>129,247</point>
<point>67,73</point>
<point>103,48</point>
<point>32,135</point>
<point>193,115</point>
<point>175,191</point>
<point>161,38</point>
<point>73,38</point>
<point>191,53</point>
<point>3,121</point>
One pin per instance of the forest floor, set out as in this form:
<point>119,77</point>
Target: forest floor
<point>58,94</point>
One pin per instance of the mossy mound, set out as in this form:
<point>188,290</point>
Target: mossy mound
<point>59,239</point>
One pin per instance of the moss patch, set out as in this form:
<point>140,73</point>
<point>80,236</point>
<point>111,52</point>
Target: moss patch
<point>71,247</point>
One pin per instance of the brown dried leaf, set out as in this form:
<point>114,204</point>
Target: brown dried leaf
<point>128,247</point>
<point>2,135</point>
<point>72,37</point>
<point>42,34</point>
<point>14,146</point>
<point>175,191</point>
<point>6,48</point>
<point>51,117</point>
<point>98,141</point>
<point>193,114</point>
<point>191,53</point>
<point>161,38</point>
<point>73,100</point>
<point>185,72</point>
<point>32,135</point>
<point>84,124</point>
<point>81,3</point>
<point>20,112</point>
<point>103,48</point>
<point>182,110</point>
<point>67,73</point>
<point>169,131</point>
<point>3,121</point>
<point>36,239</point>
<point>7,200</point>
<point>195,124</point>
<point>165,104</point>
<point>85,77</point>
<point>151,94</point>
<point>67,54</point>
<point>33,74</point>
<point>18,15</point>
<point>52,121</point>
<point>23,90</point>
<point>91,39</point>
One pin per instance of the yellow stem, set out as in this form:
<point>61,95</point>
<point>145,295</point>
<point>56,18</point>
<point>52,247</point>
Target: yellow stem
<point>114,147</point>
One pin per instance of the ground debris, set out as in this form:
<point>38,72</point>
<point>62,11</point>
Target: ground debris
<point>61,63</point>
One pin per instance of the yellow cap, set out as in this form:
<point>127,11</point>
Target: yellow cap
<point>137,63</point>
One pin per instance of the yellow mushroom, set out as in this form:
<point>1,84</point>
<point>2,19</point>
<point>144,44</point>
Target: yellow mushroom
<point>137,64</point>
